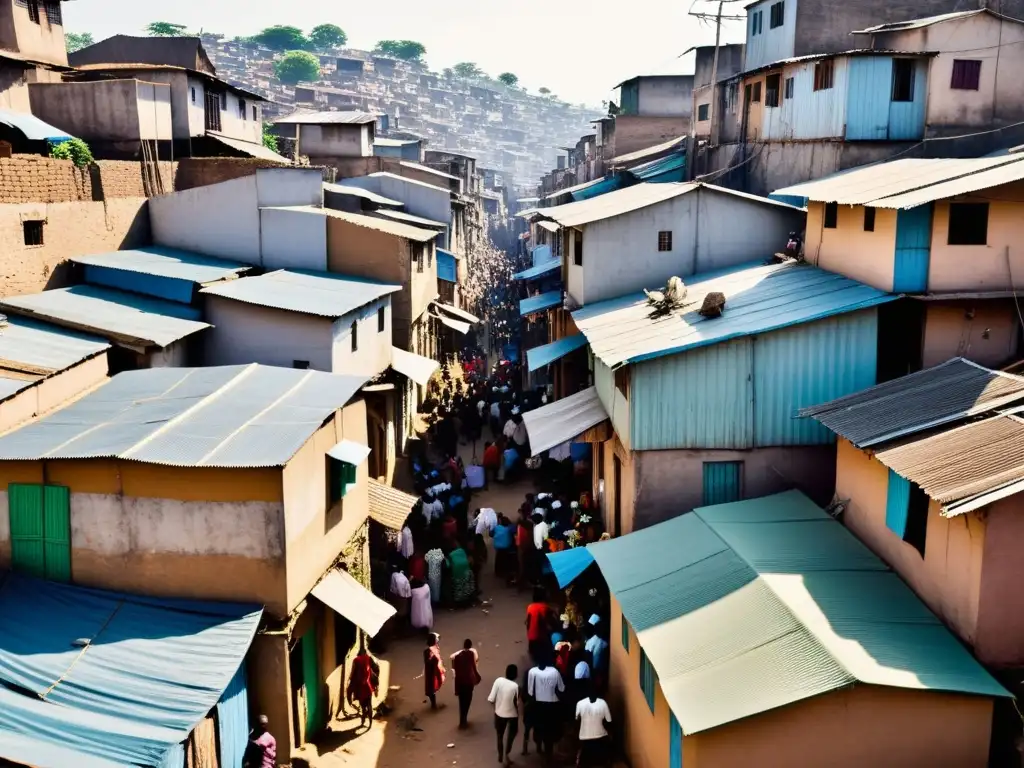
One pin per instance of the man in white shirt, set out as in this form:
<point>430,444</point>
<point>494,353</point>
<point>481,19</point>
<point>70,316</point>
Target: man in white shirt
<point>510,429</point>
<point>540,531</point>
<point>406,546</point>
<point>505,698</point>
<point>592,714</point>
<point>543,684</point>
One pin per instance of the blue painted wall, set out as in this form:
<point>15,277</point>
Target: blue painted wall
<point>722,482</point>
<point>169,288</point>
<point>913,249</point>
<point>871,114</point>
<point>746,393</point>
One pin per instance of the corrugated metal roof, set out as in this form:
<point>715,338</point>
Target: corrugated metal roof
<point>759,298</point>
<point>347,597</point>
<point>311,293</point>
<point>964,467</point>
<point>873,184</point>
<point>365,194</point>
<point>540,270</point>
<point>383,141</point>
<point>31,126</point>
<point>389,506</point>
<point>927,21</point>
<point>396,228</point>
<point>568,564</point>
<point>250,148</point>
<point>116,315</point>
<point>986,179</point>
<point>226,416</point>
<point>540,302</point>
<point>408,218</point>
<point>166,262</point>
<point>152,670</point>
<point>29,345</point>
<point>955,390</point>
<point>550,226</point>
<point>854,52</point>
<point>538,357</point>
<point>746,607</point>
<point>327,118</point>
<point>563,420</point>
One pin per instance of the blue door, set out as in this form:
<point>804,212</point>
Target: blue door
<point>722,481</point>
<point>867,102</point>
<point>675,743</point>
<point>913,249</point>
<point>897,504</point>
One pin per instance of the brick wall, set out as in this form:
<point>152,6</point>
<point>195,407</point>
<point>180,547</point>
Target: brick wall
<point>200,171</point>
<point>32,179</point>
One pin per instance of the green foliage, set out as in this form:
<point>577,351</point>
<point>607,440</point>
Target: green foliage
<point>282,38</point>
<point>509,79</point>
<point>76,41</point>
<point>296,66</point>
<point>467,69</point>
<point>447,73</point>
<point>407,50</point>
<point>269,139</point>
<point>327,36</point>
<point>543,91</point>
<point>165,29</point>
<point>75,150</point>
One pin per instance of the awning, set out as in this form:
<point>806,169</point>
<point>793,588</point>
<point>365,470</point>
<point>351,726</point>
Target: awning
<point>569,564</point>
<point>538,357</point>
<point>390,506</point>
<point>550,226</point>
<point>539,271</point>
<point>563,420</point>
<point>347,597</point>
<point>413,366</point>
<point>459,314</point>
<point>249,148</point>
<point>350,452</point>
<point>456,325</point>
<point>32,127</point>
<point>539,303</point>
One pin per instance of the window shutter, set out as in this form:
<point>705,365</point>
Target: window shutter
<point>26,516</point>
<point>57,532</point>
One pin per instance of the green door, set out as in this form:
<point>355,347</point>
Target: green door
<point>41,530</point>
<point>311,682</point>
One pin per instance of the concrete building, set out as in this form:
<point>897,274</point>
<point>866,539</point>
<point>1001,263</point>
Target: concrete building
<point>321,136</point>
<point>32,49</point>
<point>236,483</point>
<point>427,201</point>
<point>730,63</point>
<point>695,407</point>
<point>944,231</point>
<point>933,488</point>
<point>789,659</point>
<point>403,149</point>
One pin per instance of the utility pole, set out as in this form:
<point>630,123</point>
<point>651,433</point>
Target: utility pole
<point>714,73</point>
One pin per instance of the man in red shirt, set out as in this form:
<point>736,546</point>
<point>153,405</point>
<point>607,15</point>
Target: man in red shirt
<point>467,677</point>
<point>492,461</point>
<point>537,625</point>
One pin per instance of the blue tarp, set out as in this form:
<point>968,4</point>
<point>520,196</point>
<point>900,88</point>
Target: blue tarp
<point>32,127</point>
<point>540,302</point>
<point>541,254</point>
<point>569,564</point>
<point>446,266</point>
<point>546,354</point>
<point>95,678</point>
<point>539,271</point>
<point>664,169</point>
<point>609,184</point>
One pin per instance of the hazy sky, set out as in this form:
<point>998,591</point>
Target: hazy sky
<point>573,47</point>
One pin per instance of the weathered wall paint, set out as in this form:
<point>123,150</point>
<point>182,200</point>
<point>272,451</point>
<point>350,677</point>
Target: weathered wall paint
<point>849,250</point>
<point>614,401</point>
<point>984,330</point>
<point>769,44</point>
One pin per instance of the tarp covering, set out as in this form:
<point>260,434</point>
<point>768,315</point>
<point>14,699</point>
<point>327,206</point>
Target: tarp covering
<point>458,314</point>
<point>350,452</point>
<point>32,127</point>
<point>562,420</point>
<point>95,678</point>
<point>456,325</point>
<point>569,564</point>
<point>671,168</point>
<point>546,354</point>
<point>347,597</point>
<point>413,366</point>
<point>249,148</point>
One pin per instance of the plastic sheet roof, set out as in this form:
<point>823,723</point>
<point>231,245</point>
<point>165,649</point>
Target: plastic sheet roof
<point>563,420</point>
<point>540,270</point>
<point>754,605</point>
<point>347,597</point>
<point>149,673</point>
<point>538,357</point>
<point>907,183</point>
<point>117,315</point>
<point>32,127</point>
<point>226,416</point>
<point>952,391</point>
<point>313,293</point>
<point>759,298</point>
<point>540,302</point>
<point>166,262</point>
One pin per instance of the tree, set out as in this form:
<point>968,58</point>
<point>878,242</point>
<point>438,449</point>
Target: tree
<point>165,29</point>
<point>508,79</point>
<point>447,73</point>
<point>407,50</point>
<point>543,91</point>
<point>467,69</point>
<point>269,139</point>
<point>282,38</point>
<point>296,66</point>
<point>327,36</point>
<point>76,41</point>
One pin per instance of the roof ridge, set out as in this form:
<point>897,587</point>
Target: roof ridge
<point>163,428</point>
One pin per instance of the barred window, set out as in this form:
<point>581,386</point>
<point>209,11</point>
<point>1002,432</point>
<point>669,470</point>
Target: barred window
<point>53,12</point>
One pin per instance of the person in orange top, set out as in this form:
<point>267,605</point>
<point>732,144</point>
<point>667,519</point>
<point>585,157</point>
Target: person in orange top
<point>538,633</point>
<point>491,463</point>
